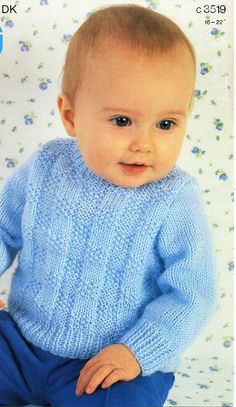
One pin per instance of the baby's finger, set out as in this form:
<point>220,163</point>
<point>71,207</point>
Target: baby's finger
<point>90,365</point>
<point>113,377</point>
<point>84,378</point>
<point>98,377</point>
<point>91,362</point>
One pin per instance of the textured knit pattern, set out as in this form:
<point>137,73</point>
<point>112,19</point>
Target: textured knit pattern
<point>101,264</point>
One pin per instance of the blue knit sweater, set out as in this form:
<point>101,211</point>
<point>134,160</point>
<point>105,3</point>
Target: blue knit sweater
<point>100,264</point>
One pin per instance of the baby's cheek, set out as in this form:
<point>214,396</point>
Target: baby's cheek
<point>97,163</point>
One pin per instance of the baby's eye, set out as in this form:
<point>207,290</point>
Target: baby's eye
<point>121,121</point>
<point>165,124</point>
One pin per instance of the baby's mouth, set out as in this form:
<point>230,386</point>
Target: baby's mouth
<point>134,168</point>
<point>136,165</point>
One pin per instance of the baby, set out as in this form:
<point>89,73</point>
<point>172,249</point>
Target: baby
<point>115,275</point>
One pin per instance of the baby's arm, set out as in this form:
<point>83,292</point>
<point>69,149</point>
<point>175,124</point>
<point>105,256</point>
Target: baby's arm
<point>171,322</point>
<point>12,200</point>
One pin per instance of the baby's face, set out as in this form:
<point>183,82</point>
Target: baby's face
<point>130,116</point>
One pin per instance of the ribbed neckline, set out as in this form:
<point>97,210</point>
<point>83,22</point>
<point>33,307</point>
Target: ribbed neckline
<point>84,170</point>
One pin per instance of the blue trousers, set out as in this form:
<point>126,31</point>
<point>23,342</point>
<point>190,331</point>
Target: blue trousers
<point>29,375</point>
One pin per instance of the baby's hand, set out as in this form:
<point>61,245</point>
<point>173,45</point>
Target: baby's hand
<point>113,363</point>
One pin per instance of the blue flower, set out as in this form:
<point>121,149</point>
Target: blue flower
<point>195,150</point>
<point>223,177</point>
<point>204,71</point>
<point>9,24</point>
<point>43,85</point>
<point>24,48</point>
<point>205,68</point>
<point>197,92</point>
<point>221,174</point>
<point>198,152</point>
<point>217,33</point>
<point>43,2</point>
<point>227,344</point>
<point>231,266</point>
<point>218,123</point>
<point>214,31</point>
<point>28,120</point>
<point>67,37</point>
<point>10,162</point>
<point>219,126</point>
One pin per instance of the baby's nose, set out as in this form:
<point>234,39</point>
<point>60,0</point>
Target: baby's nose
<point>142,142</point>
<point>141,147</point>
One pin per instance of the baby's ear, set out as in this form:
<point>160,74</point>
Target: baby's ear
<point>191,103</point>
<point>66,113</point>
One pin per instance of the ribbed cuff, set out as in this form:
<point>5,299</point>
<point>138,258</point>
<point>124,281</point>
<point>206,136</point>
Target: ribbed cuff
<point>150,348</point>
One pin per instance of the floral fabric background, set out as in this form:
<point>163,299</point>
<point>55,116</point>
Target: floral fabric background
<point>34,45</point>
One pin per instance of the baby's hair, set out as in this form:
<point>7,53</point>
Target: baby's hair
<point>135,26</point>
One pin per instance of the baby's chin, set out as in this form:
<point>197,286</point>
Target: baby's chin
<point>128,181</point>
<point>129,184</point>
<point>126,184</point>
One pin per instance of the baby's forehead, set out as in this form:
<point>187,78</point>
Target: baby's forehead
<point>125,70</point>
<point>108,50</point>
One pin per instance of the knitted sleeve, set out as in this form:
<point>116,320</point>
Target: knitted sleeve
<point>171,322</point>
<point>12,200</point>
